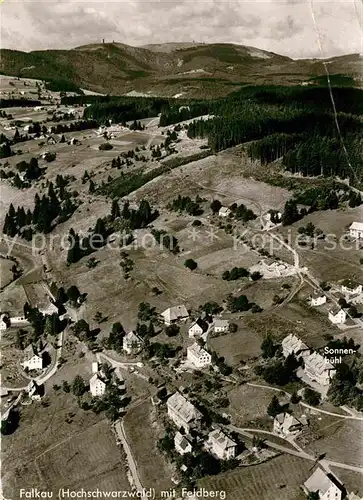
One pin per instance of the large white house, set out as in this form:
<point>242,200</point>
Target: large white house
<point>97,386</point>
<point>183,413</point>
<point>317,299</point>
<point>175,313</point>
<point>319,369</point>
<point>32,360</point>
<point>224,212</point>
<point>287,425</point>
<point>337,315</point>
<point>131,343</point>
<point>198,356</point>
<point>350,287</point>
<point>221,325</point>
<point>356,230</point>
<point>293,345</point>
<point>221,445</point>
<point>182,445</point>
<point>326,484</point>
<point>198,328</point>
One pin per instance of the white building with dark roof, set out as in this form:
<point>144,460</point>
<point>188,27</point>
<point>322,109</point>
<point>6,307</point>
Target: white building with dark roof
<point>97,386</point>
<point>221,325</point>
<point>319,369</point>
<point>131,343</point>
<point>221,445</point>
<point>293,345</point>
<point>182,444</point>
<point>350,287</point>
<point>198,356</point>
<point>32,360</point>
<point>317,299</point>
<point>198,328</point>
<point>183,413</point>
<point>337,315</point>
<point>356,230</point>
<point>175,313</point>
<point>326,484</point>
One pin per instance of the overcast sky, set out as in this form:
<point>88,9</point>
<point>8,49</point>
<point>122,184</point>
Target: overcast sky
<point>288,27</point>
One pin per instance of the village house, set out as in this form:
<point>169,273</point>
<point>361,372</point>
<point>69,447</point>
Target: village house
<point>221,325</point>
<point>4,322</point>
<point>35,391</point>
<point>198,356</point>
<point>198,328</point>
<point>221,445</point>
<point>356,230</point>
<point>326,484</point>
<point>318,369</point>
<point>182,445</point>
<point>350,287</point>
<point>32,360</point>
<point>131,343</point>
<point>175,313</point>
<point>337,315</point>
<point>224,212</point>
<point>287,425</point>
<point>183,413</point>
<point>317,299</point>
<point>97,386</point>
<point>293,345</point>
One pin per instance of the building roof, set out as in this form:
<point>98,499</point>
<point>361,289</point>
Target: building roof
<point>30,352</point>
<point>132,337</point>
<point>196,350</point>
<point>201,323</point>
<point>287,420</point>
<point>336,310</point>
<point>218,437</point>
<point>96,378</point>
<point>317,294</point>
<point>321,481</point>
<point>174,313</point>
<point>221,323</point>
<point>293,343</point>
<point>350,283</point>
<point>318,363</point>
<point>183,407</point>
<point>357,225</point>
<point>224,210</point>
<point>181,441</point>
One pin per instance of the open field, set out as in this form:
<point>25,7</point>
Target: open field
<point>48,452</point>
<point>6,274</point>
<point>239,346</point>
<point>142,432</point>
<point>278,479</point>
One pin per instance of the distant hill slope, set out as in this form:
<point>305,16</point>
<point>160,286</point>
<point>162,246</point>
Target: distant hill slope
<point>192,70</point>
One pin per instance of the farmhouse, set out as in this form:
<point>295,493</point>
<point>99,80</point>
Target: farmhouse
<point>221,445</point>
<point>96,385</point>
<point>198,328</point>
<point>198,356</point>
<point>337,316</point>
<point>4,322</point>
<point>317,299</point>
<point>131,343</point>
<point>32,360</point>
<point>293,345</point>
<point>183,413</point>
<point>356,230</point>
<point>287,425</point>
<point>326,484</point>
<point>224,212</point>
<point>182,445</point>
<point>34,390</point>
<point>318,369</point>
<point>221,325</point>
<point>175,313</point>
<point>351,287</point>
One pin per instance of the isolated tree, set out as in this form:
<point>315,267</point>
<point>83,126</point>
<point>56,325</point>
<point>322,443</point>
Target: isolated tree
<point>274,408</point>
<point>115,210</point>
<point>190,264</point>
<point>78,386</point>
<point>268,347</point>
<point>215,206</point>
<point>311,397</point>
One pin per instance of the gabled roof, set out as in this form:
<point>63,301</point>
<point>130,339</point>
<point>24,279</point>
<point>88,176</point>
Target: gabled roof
<point>174,313</point>
<point>318,363</point>
<point>293,343</point>
<point>321,481</point>
<point>30,352</point>
<point>196,350</point>
<point>221,323</point>
<point>181,441</point>
<point>201,323</point>
<point>131,337</point>
<point>218,437</point>
<point>350,283</point>
<point>357,226</point>
<point>317,294</point>
<point>183,407</point>
<point>335,310</point>
<point>96,378</point>
<point>287,420</point>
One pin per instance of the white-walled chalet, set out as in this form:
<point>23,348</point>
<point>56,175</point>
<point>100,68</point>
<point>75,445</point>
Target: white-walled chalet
<point>337,315</point>
<point>319,369</point>
<point>221,325</point>
<point>350,287</point>
<point>293,345</point>
<point>131,343</point>
<point>198,328</point>
<point>183,413</point>
<point>221,445</point>
<point>175,313</point>
<point>97,386</point>
<point>326,484</point>
<point>317,299</point>
<point>198,356</point>
<point>32,360</point>
<point>287,425</point>
<point>182,445</point>
<point>356,230</point>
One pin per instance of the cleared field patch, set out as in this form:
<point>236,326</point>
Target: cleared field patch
<point>237,347</point>
<point>6,274</point>
<point>278,479</point>
<point>248,403</point>
<point>142,432</point>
